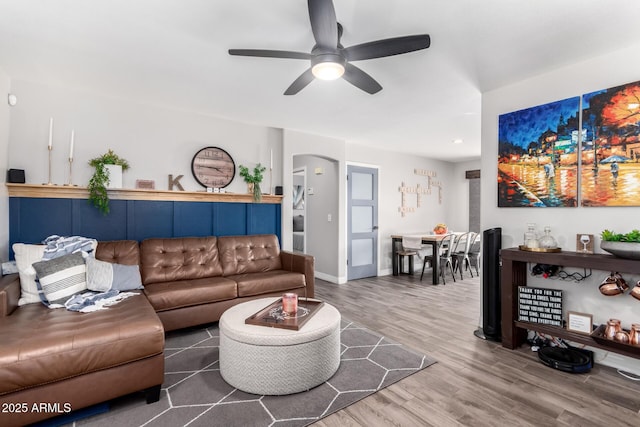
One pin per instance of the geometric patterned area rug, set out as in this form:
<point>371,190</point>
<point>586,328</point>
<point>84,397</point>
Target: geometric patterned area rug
<point>195,394</point>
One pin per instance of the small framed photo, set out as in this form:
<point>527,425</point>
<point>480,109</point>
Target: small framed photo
<point>580,322</point>
<point>145,184</point>
<point>584,243</point>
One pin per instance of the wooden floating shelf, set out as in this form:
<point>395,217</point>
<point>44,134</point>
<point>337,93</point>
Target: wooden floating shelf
<point>75,192</point>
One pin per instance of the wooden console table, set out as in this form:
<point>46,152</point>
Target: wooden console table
<point>514,274</point>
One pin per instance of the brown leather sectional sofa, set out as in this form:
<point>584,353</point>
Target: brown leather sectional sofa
<point>58,360</point>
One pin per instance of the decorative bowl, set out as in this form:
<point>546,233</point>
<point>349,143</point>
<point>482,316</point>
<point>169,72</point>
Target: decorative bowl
<point>628,250</point>
<point>440,229</point>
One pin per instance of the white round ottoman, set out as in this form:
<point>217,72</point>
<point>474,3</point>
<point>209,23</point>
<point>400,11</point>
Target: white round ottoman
<point>275,361</point>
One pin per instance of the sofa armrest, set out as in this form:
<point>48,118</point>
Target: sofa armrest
<point>9,294</point>
<point>300,263</point>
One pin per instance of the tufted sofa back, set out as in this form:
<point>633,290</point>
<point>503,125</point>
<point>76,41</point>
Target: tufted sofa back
<point>249,254</point>
<point>166,260</point>
<point>124,252</point>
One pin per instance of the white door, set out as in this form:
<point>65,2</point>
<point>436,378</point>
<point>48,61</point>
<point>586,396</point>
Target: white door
<point>362,219</point>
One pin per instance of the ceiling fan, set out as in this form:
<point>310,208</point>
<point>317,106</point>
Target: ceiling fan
<point>330,60</point>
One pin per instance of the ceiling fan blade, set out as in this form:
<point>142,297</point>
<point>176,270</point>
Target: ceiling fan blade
<point>360,79</point>
<point>387,47</point>
<point>324,24</point>
<point>300,83</point>
<point>264,53</point>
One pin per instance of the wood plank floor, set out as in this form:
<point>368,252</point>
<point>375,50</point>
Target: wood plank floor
<point>475,382</point>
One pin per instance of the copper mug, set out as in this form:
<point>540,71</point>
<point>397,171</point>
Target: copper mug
<point>622,336</point>
<point>613,285</point>
<point>635,292</point>
<point>634,334</point>
<point>613,327</point>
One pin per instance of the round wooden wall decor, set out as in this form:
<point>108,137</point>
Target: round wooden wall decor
<point>213,167</point>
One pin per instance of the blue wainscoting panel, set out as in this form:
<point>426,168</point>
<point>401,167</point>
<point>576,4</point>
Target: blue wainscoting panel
<point>192,219</point>
<point>229,219</point>
<point>149,219</point>
<point>31,220</point>
<point>38,218</point>
<point>90,222</point>
<point>263,219</point>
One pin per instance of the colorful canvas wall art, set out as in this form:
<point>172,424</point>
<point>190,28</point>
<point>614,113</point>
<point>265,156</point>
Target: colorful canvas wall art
<point>610,173</point>
<point>537,156</point>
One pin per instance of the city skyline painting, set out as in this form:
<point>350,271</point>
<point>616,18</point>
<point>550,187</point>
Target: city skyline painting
<point>610,173</point>
<point>538,155</point>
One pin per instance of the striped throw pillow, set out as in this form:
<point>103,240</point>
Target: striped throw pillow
<point>62,277</point>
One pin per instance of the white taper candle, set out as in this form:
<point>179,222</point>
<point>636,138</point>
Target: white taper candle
<point>50,132</point>
<point>73,132</point>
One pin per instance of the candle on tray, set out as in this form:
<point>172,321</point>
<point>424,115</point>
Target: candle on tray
<point>290,303</point>
<point>50,132</point>
<point>271,159</point>
<point>71,145</point>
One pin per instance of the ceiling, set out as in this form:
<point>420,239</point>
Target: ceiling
<point>174,53</point>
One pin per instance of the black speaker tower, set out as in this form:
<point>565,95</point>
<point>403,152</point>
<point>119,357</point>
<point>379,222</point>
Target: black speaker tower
<point>491,307</point>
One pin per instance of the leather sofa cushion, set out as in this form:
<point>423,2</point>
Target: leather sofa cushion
<point>42,345</point>
<point>170,260</point>
<point>249,254</point>
<point>119,252</point>
<point>184,293</point>
<point>267,282</point>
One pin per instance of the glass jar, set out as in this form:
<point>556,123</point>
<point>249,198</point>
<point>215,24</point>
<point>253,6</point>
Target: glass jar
<point>531,237</point>
<point>613,327</point>
<point>548,241</point>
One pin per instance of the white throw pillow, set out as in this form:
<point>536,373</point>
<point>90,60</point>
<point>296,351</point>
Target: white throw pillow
<point>25,256</point>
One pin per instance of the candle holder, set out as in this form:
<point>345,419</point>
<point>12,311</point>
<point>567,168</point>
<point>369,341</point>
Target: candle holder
<point>69,184</point>
<point>49,179</point>
<point>270,179</point>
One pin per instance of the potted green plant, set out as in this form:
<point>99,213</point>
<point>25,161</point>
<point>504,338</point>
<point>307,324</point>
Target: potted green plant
<point>253,180</point>
<point>621,245</point>
<point>101,178</point>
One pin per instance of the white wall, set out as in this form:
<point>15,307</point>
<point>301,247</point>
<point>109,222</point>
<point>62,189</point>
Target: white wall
<point>320,233</point>
<point>155,140</point>
<point>598,73</point>
<point>4,165</point>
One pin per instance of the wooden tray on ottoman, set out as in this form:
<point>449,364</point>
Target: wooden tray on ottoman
<point>273,316</point>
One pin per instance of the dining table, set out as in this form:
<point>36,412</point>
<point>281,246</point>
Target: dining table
<point>434,240</point>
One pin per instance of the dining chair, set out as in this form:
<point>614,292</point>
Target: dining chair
<point>447,245</point>
<point>410,248</point>
<point>475,253</point>
<point>461,254</point>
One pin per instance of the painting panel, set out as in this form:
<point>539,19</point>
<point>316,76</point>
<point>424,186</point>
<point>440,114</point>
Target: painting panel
<point>538,156</point>
<point>610,174</point>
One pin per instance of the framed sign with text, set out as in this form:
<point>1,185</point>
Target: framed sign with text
<point>539,305</point>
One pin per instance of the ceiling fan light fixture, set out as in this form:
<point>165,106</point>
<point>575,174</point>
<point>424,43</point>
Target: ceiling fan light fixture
<point>328,70</point>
